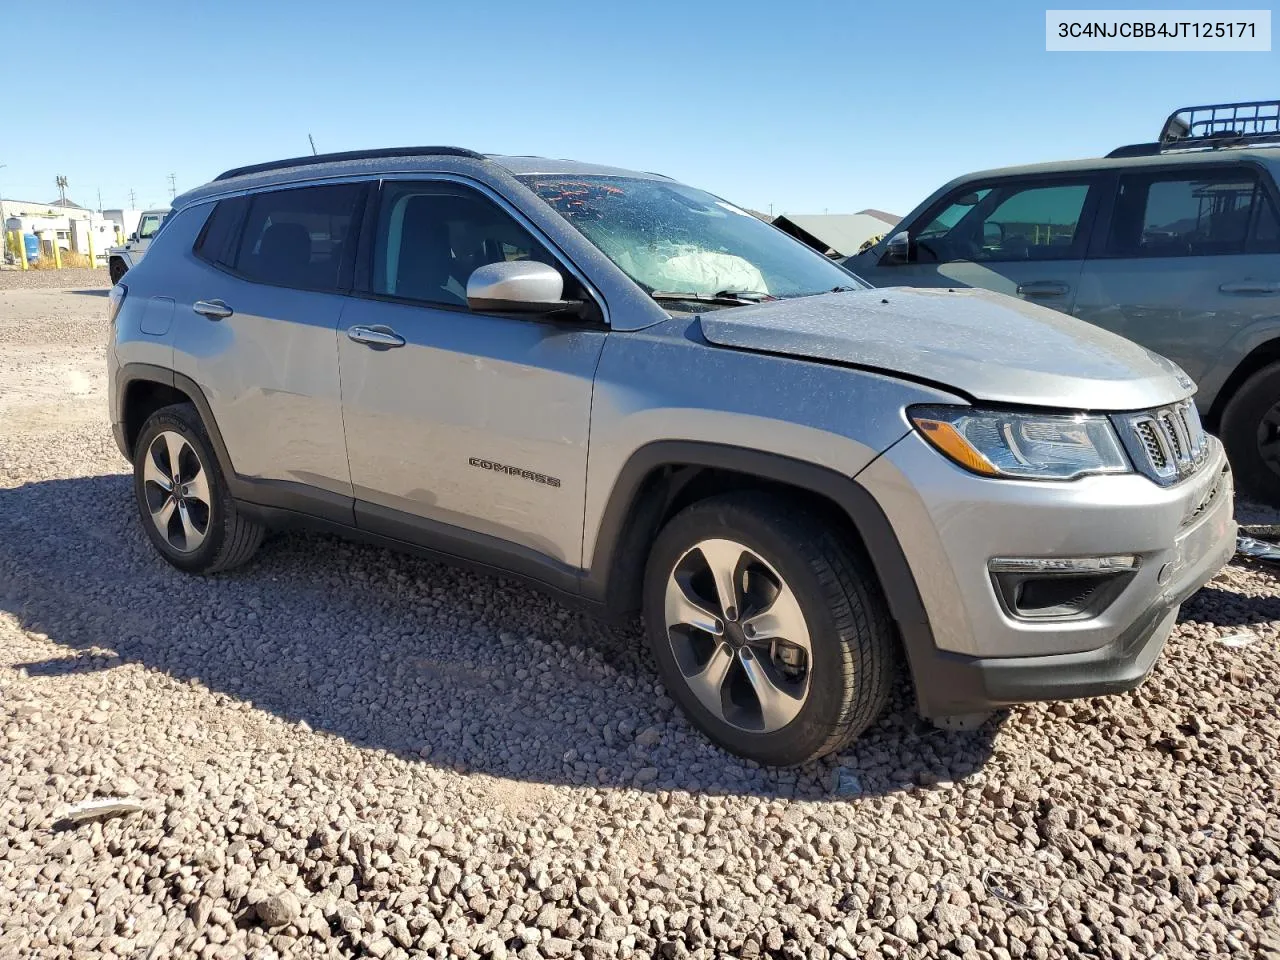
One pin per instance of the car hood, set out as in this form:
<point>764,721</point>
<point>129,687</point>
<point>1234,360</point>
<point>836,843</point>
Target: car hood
<point>983,344</point>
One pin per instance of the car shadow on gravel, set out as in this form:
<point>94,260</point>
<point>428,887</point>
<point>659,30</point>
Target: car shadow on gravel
<point>389,651</point>
<point>1223,608</point>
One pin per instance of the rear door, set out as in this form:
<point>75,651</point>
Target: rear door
<point>262,345</point>
<point>1188,259</point>
<point>1025,237</point>
<point>468,430</point>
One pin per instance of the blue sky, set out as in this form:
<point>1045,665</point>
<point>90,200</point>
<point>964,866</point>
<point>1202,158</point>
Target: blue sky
<point>807,106</point>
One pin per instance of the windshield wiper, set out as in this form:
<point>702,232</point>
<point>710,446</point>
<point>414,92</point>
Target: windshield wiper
<point>731,298</point>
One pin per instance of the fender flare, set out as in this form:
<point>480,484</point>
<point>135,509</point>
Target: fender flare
<point>131,373</point>
<point>612,560</point>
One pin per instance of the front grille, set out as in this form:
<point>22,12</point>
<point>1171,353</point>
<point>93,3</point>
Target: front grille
<point>1173,430</point>
<point>1167,444</point>
<point>1151,444</point>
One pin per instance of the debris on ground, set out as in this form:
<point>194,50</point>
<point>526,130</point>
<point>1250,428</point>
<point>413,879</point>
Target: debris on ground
<point>100,808</point>
<point>1257,549</point>
<point>1014,891</point>
<point>845,782</point>
<point>1241,639</point>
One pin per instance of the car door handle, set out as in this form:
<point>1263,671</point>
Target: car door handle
<point>1042,288</point>
<point>378,336</point>
<point>213,309</point>
<point>1251,286</point>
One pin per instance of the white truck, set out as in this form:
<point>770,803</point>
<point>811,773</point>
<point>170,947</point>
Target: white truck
<point>121,259</point>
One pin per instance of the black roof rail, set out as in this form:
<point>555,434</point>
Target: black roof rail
<point>1211,126</point>
<point>1135,150</point>
<point>378,154</point>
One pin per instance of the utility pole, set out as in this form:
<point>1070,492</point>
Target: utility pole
<point>61,181</point>
<point>133,200</point>
<point>99,200</point>
<point>312,141</point>
<point>4,224</point>
<point>173,186</point>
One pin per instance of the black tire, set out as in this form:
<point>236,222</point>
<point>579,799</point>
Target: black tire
<point>230,539</point>
<point>117,270</point>
<point>853,640</point>
<point>1251,416</point>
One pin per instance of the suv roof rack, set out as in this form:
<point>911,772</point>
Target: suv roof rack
<point>349,155</point>
<point>1212,126</point>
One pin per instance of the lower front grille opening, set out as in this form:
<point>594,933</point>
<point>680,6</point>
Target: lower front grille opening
<point>1059,597</point>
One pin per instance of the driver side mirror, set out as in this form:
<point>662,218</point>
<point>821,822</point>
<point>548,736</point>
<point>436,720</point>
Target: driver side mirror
<point>133,238</point>
<point>518,286</point>
<point>899,248</point>
<point>992,234</point>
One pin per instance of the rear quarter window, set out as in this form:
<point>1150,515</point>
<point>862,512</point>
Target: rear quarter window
<point>214,244</point>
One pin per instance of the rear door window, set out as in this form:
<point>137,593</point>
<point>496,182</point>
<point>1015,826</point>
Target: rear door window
<point>1212,214</point>
<point>299,238</point>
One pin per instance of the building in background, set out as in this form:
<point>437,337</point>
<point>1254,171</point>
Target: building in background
<point>837,234</point>
<point>67,224</point>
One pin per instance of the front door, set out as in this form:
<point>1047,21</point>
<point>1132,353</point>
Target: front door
<point>1021,237</point>
<point>462,427</point>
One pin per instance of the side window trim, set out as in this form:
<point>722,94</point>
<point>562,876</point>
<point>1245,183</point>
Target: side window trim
<point>1093,180</point>
<point>363,286</point>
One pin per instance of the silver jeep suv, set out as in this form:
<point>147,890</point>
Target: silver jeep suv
<point>639,396</point>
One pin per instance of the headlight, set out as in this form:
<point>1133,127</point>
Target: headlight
<point>1030,446</point>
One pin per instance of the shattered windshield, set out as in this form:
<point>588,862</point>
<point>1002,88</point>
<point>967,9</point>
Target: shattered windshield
<point>676,241</point>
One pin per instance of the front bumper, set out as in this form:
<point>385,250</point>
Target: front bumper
<point>950,524</point>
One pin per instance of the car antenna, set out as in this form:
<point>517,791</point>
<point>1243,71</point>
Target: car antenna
<point>312,141</point>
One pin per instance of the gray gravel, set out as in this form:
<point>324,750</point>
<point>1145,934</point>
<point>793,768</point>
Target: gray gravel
<point>345,752</point>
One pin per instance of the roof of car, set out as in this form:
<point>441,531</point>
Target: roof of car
<point>394,160</point>
<point>1091,164</point>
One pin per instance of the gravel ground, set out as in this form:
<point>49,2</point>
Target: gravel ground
<point>339,751</point>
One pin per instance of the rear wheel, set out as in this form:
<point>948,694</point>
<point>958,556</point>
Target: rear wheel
<point>183,500</point>
<point>769,627</point>
<point>1251,434</point>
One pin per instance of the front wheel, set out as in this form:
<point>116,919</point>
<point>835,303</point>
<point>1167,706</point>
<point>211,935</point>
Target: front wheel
<point>117,270</point>
<point>1250,432</point>
<point>769,627</point>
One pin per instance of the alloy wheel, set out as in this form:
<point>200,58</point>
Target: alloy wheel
<point>1268,438</point>
<point>176,489</point>
<point>738,636</point>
